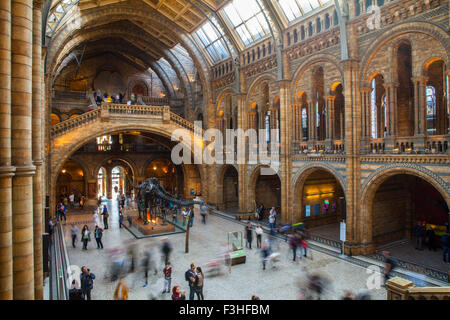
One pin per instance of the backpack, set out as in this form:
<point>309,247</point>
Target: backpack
<point>187,275</point>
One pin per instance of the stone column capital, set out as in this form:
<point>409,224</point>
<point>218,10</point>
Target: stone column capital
<point>330,98</point>
<point>421,80</point>
<point>366,89</point>
<point>38,162</point>
<point>392,85</point>
<point>37,4</point>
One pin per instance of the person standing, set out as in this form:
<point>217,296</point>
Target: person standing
<point>72,200</point>
<point>120,218</point>
<point>190,278</point>
<point>259,231</point>
<point>167,277</point>
<point>418,233</point>
<point>249,235</point>
<point>96,219</point>
<point>105,215</point>
<point>272,221</point>
<point>85,236</point>
<point>198,285</point>
<point>74,231</point>
<point>445,242</point>
<point>191,215</point>
<point>62,211</point>
<point>98,233</point>
<point>185,215</point>
<point>430,239</point>
<point>87,282</point>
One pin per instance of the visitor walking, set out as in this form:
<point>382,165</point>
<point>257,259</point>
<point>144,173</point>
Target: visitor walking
<point>167,277</point>
<point>294,242</point>
<point>85,236</point>
<point>191,215</point>
<point>418,232</point>
<point>203,212</point>
<point>121,292</point>
<point>265,253</point>
<point>166,249</point>
<point>198,285</point>
<point>105,215</point>
<point>249,235</point>
<point>87,282</point>
<point>62,212</point>
<point>260,212</point>
<point>259,231</point>
<point>74,231</point>
<point>98,233</point>
<point>190,278</point>
<point>390,265</point>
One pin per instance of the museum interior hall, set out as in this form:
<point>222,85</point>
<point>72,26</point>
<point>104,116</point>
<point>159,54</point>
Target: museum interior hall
<point>268,142</point>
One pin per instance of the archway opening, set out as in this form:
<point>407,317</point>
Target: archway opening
<point>230,189</point>
<point>268,193</point>
<point>436,111</point>
<point>70,180</point>
<point>321,204</point>
<point>169,176</point>
<point>118,181</point>
<point>101,183</point>
<point>400,202</point>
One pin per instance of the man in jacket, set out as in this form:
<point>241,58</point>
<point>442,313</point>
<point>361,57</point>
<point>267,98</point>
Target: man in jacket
<point>105,215</point>
<point>87,282</point>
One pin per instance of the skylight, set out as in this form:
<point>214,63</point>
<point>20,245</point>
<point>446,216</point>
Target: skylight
<point>294,9</point>
<point>247,19</point>
<point>213,41</point>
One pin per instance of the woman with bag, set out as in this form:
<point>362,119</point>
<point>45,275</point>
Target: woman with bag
<point>198,284</point>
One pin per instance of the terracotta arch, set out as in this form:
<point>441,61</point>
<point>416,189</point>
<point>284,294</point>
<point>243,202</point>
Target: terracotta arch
<point>125,160</point>
<point>372,184</point>
<point>300,177</point>
<point>429,29</point>
<point>251,191</point>
<point>220,180</point>
<point>255,83</point>
<point>323,57</point>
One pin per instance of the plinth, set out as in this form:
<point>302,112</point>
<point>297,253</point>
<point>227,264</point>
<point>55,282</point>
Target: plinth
<point>155,226</point>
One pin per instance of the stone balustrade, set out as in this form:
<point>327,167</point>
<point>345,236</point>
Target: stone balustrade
<point>402,289</point>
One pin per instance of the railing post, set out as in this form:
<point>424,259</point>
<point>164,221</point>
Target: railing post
<point>166,114</point>
<point>104,112</point>
<point>397,288</point>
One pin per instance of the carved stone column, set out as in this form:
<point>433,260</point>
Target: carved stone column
<point>312,120</point>
<point>21,132</point>
<point>37,150</point>
<point>330,117</point>
<point>6,170</point>
<point>391,100</point>
<point>108,174</point>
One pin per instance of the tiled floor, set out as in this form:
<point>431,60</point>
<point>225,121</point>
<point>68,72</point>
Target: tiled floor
<point>205,241</point>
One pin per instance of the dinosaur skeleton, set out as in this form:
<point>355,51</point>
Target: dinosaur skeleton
<point>151,190</point>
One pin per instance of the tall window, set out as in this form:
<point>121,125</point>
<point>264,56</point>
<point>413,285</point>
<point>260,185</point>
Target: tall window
<point>294,9</point>
<point>373,111</point>
<point>247,19</point>
<point>431,110</point>
<point>214,42</point>
<point>267,125</point>
<point>305,124</point>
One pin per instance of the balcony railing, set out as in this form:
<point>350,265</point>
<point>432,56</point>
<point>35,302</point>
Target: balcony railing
<point>410,145</point>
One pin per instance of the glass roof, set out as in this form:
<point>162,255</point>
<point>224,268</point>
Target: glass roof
<point>58,10</point>
<point>247,19</point>
<point>294,9</point>
<point>213,40</point>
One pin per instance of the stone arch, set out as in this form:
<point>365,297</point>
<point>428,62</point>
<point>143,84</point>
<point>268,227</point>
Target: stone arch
<point>135,82</point>
<point>123,159</point>
<point>374,181</point>
<point>142,15</point>
<point>220,181</point>
<point>251,186</point>
<point>305,65</point>
<point>429,29</point>
<point>256,82</point>
<point>300,177</point>
<point>150,160</point>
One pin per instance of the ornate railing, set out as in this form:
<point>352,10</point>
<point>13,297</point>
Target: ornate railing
<point>437,144</point>
<point>417,268</point>
<point>70,124</point>
<point>121,111</point>
<point>329,242</point>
